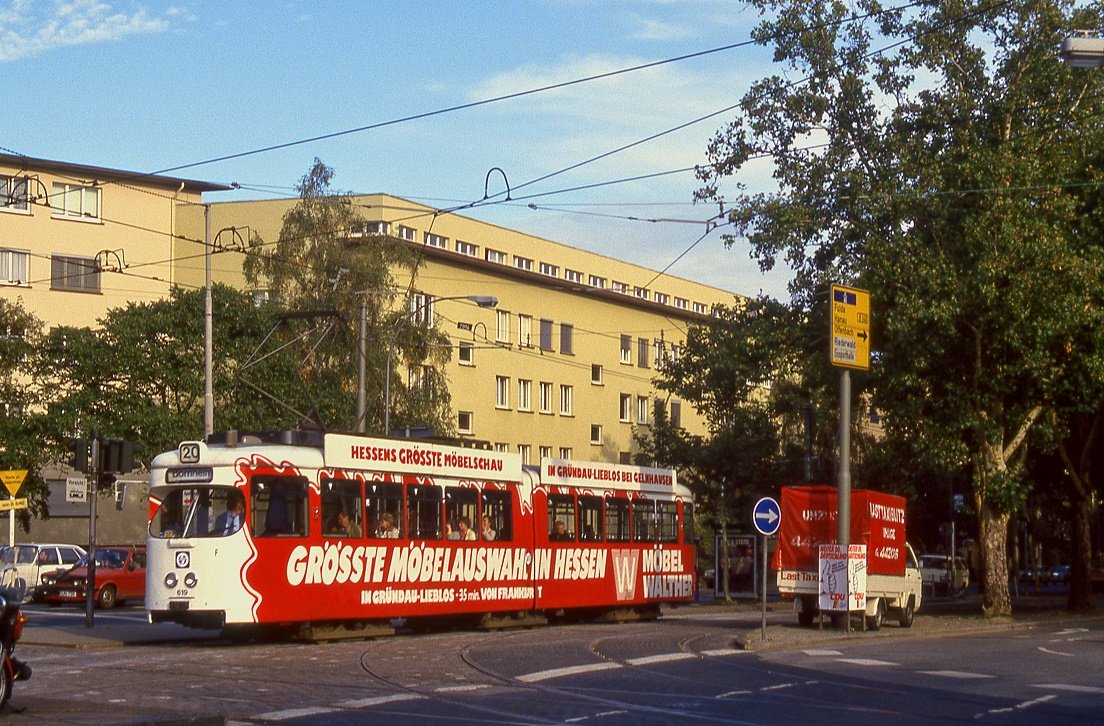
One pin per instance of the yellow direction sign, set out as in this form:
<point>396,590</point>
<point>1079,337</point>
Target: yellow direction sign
<point>6,504</point>
<point>13,480</point>
<point>850,327</point>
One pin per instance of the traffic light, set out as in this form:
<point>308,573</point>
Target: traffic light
<point>78,454</point>
<point>116,456</point>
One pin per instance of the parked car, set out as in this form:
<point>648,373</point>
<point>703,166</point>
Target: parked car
<point>935,572</point>
<point>26,564</point>
<point>1060,573</point>
<point>120,576</point>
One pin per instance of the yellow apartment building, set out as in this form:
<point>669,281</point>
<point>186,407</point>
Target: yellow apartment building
<point>561,367</point>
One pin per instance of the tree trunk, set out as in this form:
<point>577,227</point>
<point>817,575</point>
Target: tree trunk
<point>1080,594</point>
<point>994,553</point>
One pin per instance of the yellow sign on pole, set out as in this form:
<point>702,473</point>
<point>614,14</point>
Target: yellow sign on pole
<point>850,327</point>
<point>6,504</point>
<point>13,480</point>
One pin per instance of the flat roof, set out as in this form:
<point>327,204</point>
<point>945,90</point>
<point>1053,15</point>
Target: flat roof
<point>30,163</point>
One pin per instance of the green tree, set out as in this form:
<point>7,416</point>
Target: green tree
<point>936,155</point>
<point>319,264</point>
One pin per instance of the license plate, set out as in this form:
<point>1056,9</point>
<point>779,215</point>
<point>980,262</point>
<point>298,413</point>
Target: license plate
<point>68,593</point>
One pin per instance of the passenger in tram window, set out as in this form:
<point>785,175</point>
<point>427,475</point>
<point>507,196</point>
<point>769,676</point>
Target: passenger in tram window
<point>487,531</point>
<point>387,528</point>
<point>231,520</point>
<point>559,532</point>
<point>346,526</point>
<point>450,531</point>
<point>465,531</point>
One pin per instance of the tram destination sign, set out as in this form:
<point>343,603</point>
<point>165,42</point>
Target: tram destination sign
<point>850,327</point>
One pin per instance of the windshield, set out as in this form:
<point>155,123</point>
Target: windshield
<point>199,512</point>
<point>111,559</point>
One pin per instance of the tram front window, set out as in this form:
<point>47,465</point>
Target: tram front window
<point>199,512</point>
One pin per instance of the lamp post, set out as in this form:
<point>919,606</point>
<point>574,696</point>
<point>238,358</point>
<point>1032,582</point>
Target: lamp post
<point>362,357</point>
<point>483,301</point>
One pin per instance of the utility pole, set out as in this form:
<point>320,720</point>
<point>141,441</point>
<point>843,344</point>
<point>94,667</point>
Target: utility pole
<point>208,327</point>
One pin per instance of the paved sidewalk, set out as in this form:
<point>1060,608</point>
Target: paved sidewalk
<point>111,635</point>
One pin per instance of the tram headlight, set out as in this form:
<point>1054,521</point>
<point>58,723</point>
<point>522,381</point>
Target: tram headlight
<point>170,580</point>
<point>190,579</point>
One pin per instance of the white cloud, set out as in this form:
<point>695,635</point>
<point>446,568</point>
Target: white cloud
<point>28,29</point>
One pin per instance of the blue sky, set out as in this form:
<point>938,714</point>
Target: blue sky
<point>149,86</point>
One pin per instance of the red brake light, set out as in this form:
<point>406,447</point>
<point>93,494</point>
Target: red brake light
<point>17,627</point>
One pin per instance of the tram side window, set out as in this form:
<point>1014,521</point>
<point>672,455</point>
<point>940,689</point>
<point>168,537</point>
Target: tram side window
<point>279,506</point>
<point>341,508</point>
<point>644,529</point>
<point>384,505</point>
<point>461,513</point>
<point>688,533</point>
<point>617,520</point>
<point>667,521</point>
<point>561,518</point>
<point>199,512</point>
<point>590,519</point>
<point>498,508</point>
<point>423,511</point>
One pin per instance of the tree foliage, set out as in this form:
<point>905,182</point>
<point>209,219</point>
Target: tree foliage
<point>324,262</point>
<point>938,155</point>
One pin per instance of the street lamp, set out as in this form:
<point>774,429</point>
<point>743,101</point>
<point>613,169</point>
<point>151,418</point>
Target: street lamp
<point>483,301</point>
<point>1083,50</point>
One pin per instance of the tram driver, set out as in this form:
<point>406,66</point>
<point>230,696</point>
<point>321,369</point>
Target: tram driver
<point>232,519</point>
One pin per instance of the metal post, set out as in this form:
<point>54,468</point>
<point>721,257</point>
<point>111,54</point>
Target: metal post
<point>94,476</point>
<point>763,545</point>
<point>208,326</point>
<point>843,522</point>
<point>362,353</point>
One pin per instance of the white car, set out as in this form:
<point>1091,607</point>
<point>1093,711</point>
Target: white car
<point>935,571</point>
<point>25,564</point>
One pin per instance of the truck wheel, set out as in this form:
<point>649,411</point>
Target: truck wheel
<point>874,622</point>
<point>908,612</point>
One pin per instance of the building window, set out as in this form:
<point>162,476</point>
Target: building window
<point>406,233</point>
<point>658,353</point>
<point>545,334</point>
<point>642,352</point>
<point>565,452</point>
<point>368,229</point>
<point>620,287</point>
<point>525,395</point>
<point>624,415</point>
<point>525,330</point>
<point>435,240</point>
<point>523,263</point>
<point>549,270</point>
<point>573,276</point>
<point>74,273</point>
<point>466,248</point>
<point>14,265</point>
<point>545,397</point>
<point>624,457</point>
<point>676,414</point>
<point>626,349</point>
<point>74,201</point>
<point>499,258</point>
<point>567,394</point>
<point>597,282</point>
<point>596,433</point>
<point>502,326</point>
<point>682,303</point>
<point>502,392</point>
<point>640,292</point>
<point>466,354</point>
<point>464,422</point>
<point>674,354</point>
<point>596,373</point>
<point>263,297</point>
<point>700,308</point>
<point>567,344</point>
<point>421,309</point>
<point>642,410</point>
<point>502,447</point>
<point>662,298</point>
<point>13,194</point>
<point>526,452</point>
<point>545,452</point>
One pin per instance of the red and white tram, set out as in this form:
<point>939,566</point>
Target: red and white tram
<point>342,531</point>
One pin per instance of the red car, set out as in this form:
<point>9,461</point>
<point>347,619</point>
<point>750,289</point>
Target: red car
<point>120,576</point>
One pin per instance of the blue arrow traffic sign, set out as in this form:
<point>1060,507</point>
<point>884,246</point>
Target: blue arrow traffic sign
<point>767,516</point>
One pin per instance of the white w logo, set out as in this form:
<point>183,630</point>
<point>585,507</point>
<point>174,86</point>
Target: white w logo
<point>624,572</point>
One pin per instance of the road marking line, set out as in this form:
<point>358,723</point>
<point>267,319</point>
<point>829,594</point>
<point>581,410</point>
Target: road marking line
<point>1055,652</point>
<point>956,674</point>
<point>821,652</point>
<point>1070,687</point>
<point>867,662</point>
<point>1025,704</point>
<point>734,693</point>
<point>664,658</point>
<point>454,689</point>
<point>1071,631</point>
<point>380,700</point>
<point>294,713</point>
<point>779,687</point>
<point>724,651</point>
<point>568,671</point>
